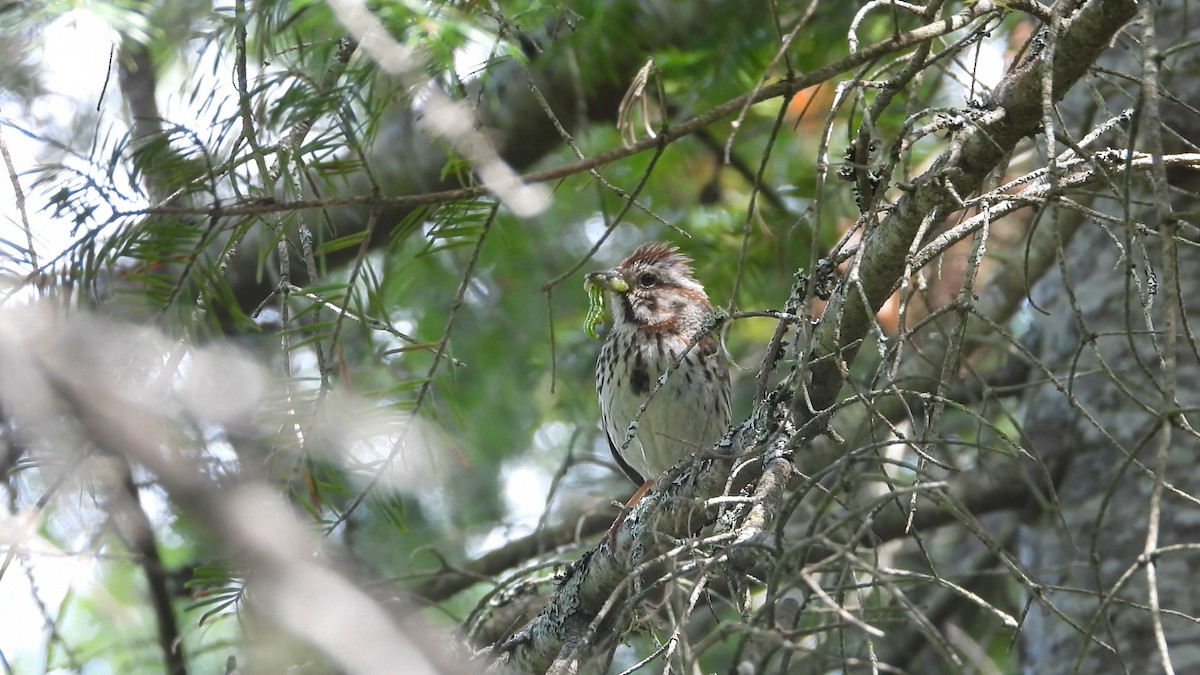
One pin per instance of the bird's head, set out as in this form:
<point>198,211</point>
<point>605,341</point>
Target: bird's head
<point>653,290</point>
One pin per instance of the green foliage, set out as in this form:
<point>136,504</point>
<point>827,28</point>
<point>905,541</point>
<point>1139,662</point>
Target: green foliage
<point>216,589</point>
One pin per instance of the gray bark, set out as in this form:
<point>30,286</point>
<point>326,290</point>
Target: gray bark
<point>1101,435</point>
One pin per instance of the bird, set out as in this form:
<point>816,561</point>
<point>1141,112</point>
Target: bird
<point>658,309</point>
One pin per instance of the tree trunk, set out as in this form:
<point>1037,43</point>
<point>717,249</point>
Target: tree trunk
<point>1110,430</point>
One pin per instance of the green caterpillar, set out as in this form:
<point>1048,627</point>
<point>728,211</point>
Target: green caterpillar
<point>595,313</point>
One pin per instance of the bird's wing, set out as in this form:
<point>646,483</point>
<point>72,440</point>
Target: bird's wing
<point>629,470</point>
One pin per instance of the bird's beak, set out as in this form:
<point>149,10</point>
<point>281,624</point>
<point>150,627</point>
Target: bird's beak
<point>608,280</point>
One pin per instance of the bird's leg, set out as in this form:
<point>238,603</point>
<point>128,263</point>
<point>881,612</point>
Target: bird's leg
<point>637,497</point>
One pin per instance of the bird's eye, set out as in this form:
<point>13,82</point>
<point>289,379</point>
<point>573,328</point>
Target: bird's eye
<point>648,279</point>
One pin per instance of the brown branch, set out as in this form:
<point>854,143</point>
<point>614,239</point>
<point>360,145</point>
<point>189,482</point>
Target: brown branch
<point>135,528</point>
<point>486,567</point>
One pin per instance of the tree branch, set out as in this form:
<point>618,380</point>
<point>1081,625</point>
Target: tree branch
<point>1014,113</point>
<point>451,580</point>
<point>134,526</point>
